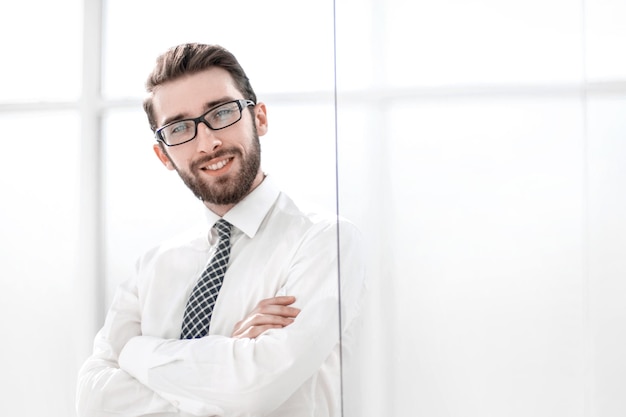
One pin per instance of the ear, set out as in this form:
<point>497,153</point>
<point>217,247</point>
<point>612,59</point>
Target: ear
<point>163,157</point>
<point>260,118</point>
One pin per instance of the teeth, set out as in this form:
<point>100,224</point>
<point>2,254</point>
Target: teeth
<point>214,167</point>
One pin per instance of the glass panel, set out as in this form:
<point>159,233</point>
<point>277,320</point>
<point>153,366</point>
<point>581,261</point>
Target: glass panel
<point>42,50</point>
<point>487,218</point>
<point>479,236</point>
<point>294,51</point>
<point>39,224</point>
<point>472,204</point>
<point>481,42</point>
<point>607,251</point>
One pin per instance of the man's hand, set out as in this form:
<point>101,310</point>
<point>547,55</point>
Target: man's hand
<point>271,313</point>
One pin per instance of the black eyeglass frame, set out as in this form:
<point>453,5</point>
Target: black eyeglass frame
<point>241,103</point>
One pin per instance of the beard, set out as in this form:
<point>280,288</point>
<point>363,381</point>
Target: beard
<point>229,189</point>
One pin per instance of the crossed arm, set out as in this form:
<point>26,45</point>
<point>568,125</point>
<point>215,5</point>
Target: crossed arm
<point>112,378</point>
<point>271,313</point>
<point>271,352</point>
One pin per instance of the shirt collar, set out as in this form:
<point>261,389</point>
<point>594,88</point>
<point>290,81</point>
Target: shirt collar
<point>248,214</point>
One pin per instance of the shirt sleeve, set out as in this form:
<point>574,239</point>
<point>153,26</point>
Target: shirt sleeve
<point>222,376</point>
<point>103,388</point>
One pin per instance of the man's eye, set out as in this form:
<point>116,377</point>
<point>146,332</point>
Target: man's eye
<point>179,128</point>
<point>223,114</point>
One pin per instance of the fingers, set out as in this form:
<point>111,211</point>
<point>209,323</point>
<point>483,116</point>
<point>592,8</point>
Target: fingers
<point>276,310</point>
<point>261,319</point>
<point>258,324</point>
<point>271,313</point>
<point>284,300</point>
<point>276,306</point>
<point>255,324</point>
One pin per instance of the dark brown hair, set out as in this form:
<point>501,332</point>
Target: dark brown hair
<point>191,58</point>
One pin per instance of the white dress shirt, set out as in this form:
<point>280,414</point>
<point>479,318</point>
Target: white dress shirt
<point>140,367</point>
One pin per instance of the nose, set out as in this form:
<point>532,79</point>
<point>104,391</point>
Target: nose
<point>206,140</point>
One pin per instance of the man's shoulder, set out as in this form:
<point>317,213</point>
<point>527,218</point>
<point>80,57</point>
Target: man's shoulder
<point>308,218</point>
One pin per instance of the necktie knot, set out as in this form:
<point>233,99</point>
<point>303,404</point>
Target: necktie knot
<point>223,229</point>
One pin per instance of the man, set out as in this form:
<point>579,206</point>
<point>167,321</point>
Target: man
<point>266,341</point>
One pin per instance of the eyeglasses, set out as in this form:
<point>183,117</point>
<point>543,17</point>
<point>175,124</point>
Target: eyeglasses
<point>220,117</point>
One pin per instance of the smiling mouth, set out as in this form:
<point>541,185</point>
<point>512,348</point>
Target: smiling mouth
<point>218,165</point>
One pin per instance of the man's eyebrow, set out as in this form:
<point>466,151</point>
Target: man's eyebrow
<point>169,120</point>
<point>217,102</point>
<point>207,106</point>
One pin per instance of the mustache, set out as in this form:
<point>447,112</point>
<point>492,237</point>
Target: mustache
<point>195,165</point>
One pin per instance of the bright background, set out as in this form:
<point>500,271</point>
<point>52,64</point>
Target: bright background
<point>480,147</point>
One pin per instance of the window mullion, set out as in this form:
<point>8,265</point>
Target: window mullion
<point>89,280</point>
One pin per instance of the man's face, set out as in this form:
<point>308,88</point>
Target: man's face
<point>219,166</point>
